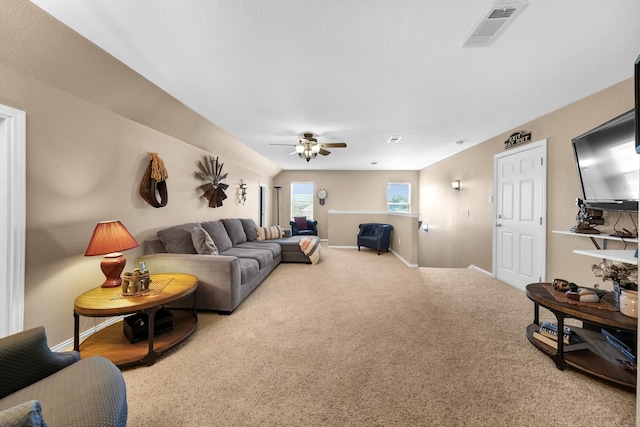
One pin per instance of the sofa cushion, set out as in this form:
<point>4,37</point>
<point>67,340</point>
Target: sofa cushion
<point>203,242</point>
<point>268,233</point>
<point>219,235</point>
<point>235,230</point>
<point>177,239</point>
<point>249,268</point>
<point>250,229</point>
<point>69,399</point>
<point>274,247</point>
<point>263,256</point>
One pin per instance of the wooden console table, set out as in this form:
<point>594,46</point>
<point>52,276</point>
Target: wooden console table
<point>599,359</point>
<point>111,341</point>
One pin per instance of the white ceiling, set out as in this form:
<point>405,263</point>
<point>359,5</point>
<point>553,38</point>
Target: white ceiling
<point>361,71</point>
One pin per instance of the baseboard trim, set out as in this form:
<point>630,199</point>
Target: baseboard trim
<point>403,260</point>
<point>473,267</point>
<point>68,344</point>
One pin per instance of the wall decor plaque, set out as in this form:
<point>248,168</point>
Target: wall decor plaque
<point>517,138</point>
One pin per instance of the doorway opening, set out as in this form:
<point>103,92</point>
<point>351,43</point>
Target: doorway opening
<point>12,219</point>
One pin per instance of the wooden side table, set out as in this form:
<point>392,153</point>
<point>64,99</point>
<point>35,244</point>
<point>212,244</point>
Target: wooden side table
<point>111,341</point>
<point>597,360</point>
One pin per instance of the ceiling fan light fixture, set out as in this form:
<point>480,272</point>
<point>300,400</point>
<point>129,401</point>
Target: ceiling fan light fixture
<point>315,149</point>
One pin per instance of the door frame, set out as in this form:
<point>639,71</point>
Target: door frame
<point>13,141</point>
<point>542,143</point>
<point>263,215</point>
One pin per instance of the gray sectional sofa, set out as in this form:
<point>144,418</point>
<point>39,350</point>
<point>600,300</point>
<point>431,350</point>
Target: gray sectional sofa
<point>226,256</point>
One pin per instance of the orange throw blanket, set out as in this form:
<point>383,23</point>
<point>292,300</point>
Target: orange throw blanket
<point>311,248</point>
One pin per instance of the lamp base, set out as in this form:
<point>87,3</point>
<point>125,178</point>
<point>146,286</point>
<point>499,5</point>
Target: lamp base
<point>112,266</point>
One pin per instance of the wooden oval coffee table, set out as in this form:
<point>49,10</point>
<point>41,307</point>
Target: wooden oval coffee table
<point>111,342</point>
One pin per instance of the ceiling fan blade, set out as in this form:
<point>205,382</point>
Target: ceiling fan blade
<point>292,153</point>
<point>334,145</point>
<point>324,152</point>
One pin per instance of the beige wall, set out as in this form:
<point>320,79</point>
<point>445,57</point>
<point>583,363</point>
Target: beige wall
<point>343,227</point>
<point>87,148</point>
<point>457,240</point>
<point>347,190</point>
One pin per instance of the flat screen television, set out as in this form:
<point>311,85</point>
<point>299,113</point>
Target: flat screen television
<point>608,166</point>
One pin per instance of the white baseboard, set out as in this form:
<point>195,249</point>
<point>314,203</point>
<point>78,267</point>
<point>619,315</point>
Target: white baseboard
<point>66,345</point>
<point>403,260</point>
<point>481,270</point>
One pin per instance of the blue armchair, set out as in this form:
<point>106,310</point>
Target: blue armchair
<point>375,236</point>
<point>309,230</point>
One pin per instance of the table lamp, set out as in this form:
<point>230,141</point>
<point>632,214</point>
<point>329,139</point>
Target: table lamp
<point>110,237</point>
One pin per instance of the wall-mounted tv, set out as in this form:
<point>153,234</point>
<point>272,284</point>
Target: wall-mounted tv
<point>608,166</point>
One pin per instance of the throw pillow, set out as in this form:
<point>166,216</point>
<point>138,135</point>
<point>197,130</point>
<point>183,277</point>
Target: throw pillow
<point>235,230</point>
<point>301,222</point>
<point>269,233</point>
<point>177,239</point>
<point>219,235</point>
<point>25,414</point>
<point>203,242</point>
<point>250,227</point>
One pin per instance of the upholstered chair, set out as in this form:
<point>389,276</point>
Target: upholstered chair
<point>375,236</point>
<point>303,226</point>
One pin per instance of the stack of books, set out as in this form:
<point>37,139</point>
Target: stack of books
<point>548,334</point>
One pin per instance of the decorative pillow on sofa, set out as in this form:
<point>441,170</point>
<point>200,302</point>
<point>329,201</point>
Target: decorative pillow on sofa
<point>301,222</point>
<point>219,235</point>
<point>25,414</point>
<point>269,233</point>
<point>235,230</point>
<point>177,239</point>
<point>250,228</point>
<point>203,242</point>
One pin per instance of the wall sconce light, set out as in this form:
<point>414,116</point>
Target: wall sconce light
<point>425,226</point>
<point>455,185</point>
<point>242,192</point>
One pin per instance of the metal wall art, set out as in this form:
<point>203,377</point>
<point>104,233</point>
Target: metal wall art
<point>242,192</point>
<point>210,170</point>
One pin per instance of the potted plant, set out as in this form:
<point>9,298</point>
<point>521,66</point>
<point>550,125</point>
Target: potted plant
<point>625,275</point>
<point>625,279</point>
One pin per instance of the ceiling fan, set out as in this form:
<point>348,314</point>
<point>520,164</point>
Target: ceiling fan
<point>308,147</point>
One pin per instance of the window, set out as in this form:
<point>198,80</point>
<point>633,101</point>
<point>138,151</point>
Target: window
<point>302,199</point>
<point>398,197</point>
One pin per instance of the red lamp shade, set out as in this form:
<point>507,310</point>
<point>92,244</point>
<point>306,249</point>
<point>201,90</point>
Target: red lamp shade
<point>110,237</point>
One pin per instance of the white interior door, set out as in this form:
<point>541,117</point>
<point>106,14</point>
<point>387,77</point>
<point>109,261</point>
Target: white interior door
<point>520,214</point>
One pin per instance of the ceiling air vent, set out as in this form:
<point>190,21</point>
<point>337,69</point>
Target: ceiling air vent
<point>494,22</point>
<point>394,139</point>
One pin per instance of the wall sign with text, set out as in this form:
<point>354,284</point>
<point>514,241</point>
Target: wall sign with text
<point>517,138</point>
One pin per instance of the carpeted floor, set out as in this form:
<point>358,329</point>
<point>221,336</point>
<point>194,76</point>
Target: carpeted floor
<point>362,340</point>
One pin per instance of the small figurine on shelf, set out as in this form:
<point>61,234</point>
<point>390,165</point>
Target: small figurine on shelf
<point>586,218</point>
